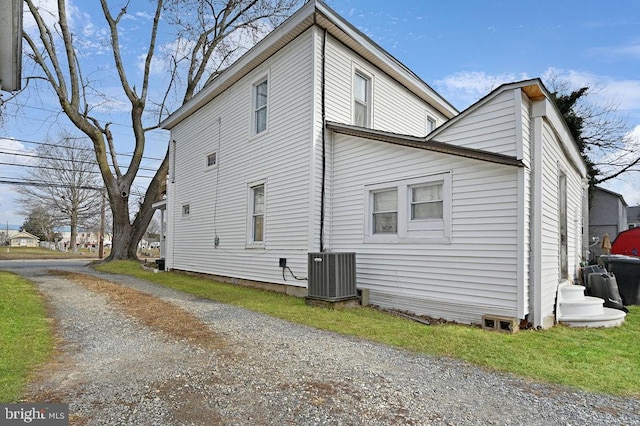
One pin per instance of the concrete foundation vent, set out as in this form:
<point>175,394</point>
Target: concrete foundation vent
<point>502,324</point>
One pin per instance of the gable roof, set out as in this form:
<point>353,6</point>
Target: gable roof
<point>24,234</point>
<point>424,143</point>
<point>535,91</point>
<point>313,13</point>
<point>615,194</point>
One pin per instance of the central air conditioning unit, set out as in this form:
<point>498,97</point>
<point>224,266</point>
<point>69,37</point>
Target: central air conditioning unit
<point>332,276</point>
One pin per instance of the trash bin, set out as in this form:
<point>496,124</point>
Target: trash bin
<point>627,272</point>
<point>160,264</point>
<point>605,287</point>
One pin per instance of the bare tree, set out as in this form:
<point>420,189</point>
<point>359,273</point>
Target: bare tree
<point>206,36</point>
<point>42,224</point>
<point>600,131</point>
<point>65,182</point>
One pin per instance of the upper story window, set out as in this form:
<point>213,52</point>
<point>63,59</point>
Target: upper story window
<point>260,106</point>
<point>431,124</point>
<point>361,100</point>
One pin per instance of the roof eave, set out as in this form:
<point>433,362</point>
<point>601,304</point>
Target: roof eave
<point>423,143</point>
<point>312,13</point>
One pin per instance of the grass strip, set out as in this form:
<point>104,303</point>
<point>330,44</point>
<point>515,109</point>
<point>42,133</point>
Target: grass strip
<point>26,335</point>
<point>601,360</point>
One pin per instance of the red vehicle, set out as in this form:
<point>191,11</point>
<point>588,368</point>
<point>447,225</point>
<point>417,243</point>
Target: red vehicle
<point>627,243</point>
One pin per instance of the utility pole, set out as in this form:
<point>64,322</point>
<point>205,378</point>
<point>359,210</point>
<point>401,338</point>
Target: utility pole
<point>103,209</point>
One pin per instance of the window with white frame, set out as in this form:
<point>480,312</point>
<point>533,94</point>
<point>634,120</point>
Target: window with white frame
<point>409,210</point>
<point>431,124</point>
<point>385,211</point>
<point>186,210</point>
<point>211,159</point>
<point>256,214</point>
<point>361,99</point>
<point>260,106</point>
<point>426,201</point>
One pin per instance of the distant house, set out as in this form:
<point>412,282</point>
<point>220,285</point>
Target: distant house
<point>607,215</point>
<point>314,141</point>
<point>23,239</point>
<point>633,217</point>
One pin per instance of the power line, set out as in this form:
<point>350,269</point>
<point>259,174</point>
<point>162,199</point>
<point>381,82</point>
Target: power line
<point>54,168</point>
<point>42,157</point>
<point>46,184</point>
<point>79,148</point>
<point>57,112</point>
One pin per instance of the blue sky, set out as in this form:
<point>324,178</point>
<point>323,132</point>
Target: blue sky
<point>462,49</point>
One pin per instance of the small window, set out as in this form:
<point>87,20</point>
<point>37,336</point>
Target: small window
<point>361,100</point>
<point>260,96</point>
<point>257,214</point>
<point>186,210</point>
<point>426,202</point>
<point>431,124</point>
<point>211,160</point>
<point>385,212</point>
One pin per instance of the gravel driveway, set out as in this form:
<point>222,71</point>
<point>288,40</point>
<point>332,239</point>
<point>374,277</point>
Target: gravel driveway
<point>113,369</point>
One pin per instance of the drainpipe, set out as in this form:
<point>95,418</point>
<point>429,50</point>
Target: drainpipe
<point>324,141</point>
<point>537,114</point>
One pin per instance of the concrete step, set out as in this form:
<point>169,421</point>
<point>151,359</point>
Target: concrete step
<point>572,292</point>
<point>586,306</point>
<point>574,309</point>
<point>608,318</point>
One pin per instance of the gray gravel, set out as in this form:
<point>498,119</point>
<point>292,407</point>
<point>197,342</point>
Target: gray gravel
<point>114,370</point>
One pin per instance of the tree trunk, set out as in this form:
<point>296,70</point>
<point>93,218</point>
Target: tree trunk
<point>73,241</point>
<point>123,245</point>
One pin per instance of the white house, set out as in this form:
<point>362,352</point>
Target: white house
<point>314,141</point>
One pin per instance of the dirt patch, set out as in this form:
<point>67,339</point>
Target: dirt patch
<point>153,312</point>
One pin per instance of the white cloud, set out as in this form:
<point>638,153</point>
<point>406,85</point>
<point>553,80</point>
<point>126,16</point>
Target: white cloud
<point>48,11</point>
<point>466,87</point>
<point>624,94</point>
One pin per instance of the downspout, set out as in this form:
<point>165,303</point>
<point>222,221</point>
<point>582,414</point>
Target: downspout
<point>537,165</point>
<point>324,142</point>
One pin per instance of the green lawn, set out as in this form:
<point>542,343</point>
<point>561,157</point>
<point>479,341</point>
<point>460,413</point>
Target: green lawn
<point>598,360</point>
<point>12,253</point>
<point>26,339</point>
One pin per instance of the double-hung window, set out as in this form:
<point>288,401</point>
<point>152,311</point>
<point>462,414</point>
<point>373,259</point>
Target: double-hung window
<point>426,202</point>
<point>256,215</point>
<point>431,124</point>
<point>361,100</point>
<point>260,104</point>
<point>385,211</point>
<point>409,210</point>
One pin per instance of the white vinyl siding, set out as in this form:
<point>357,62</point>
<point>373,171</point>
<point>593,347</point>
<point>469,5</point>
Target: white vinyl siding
<point>491,128</point>
<point>395,109</point>
<point>472,273</point>
<point>555,164</point>
<point>279,156</point>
